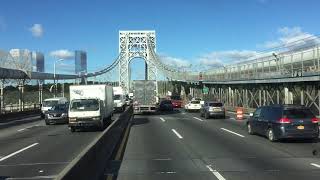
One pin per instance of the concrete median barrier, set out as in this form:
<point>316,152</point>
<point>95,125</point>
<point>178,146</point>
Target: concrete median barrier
<point>91,162</point>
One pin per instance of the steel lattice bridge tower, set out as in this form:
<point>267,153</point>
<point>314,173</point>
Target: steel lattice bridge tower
<point>136,44</point>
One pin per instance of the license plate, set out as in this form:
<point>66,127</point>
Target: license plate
<point>300,127</point>
<point>216,110</point>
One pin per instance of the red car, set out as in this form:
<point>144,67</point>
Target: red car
<point>176,101</point>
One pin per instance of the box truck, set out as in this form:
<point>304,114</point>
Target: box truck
<point>90,105</point>
<point>145,97</point>
<point>119,99</point>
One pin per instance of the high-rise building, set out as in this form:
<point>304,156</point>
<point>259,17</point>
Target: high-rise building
<point>37,66</point>
<point>80,62</point>
<point>37,62</point>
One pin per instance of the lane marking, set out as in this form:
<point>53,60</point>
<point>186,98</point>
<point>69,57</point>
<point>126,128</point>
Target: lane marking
<point>162,159</point>
<point>183,113</point>
<point>198,118</point>
<point>179,136</point>
<point>22,129</point>
<point>215,173</point>
<point>232,132</point>
<point>163,120</point>
<point>167,172</point>
<point>233,118</point>
<point>19,151</point>
<point>35,177</point>
<point>315,165</point>
<point>34,164</point>
<point>36,125</point>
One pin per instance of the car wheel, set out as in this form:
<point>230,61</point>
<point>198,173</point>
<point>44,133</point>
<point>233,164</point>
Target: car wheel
<point>249,128</point>
<point>206,116</point>
<point>47,123</point>
<point>271,136</point>
<point>72,129</point>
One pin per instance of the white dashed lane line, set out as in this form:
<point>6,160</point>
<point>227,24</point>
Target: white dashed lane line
<point>198,119</point>
<point>227,130</point>
<point>17,152</point>
<point>315,165</point>
<point>215,173</point>
<point>177,134</point>
<point>163,120</point>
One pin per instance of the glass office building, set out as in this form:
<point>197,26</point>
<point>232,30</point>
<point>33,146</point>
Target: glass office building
<point>80,62</point>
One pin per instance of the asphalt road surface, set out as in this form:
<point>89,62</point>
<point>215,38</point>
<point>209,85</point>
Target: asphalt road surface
<point>37,151</point>
<point>182,146</point>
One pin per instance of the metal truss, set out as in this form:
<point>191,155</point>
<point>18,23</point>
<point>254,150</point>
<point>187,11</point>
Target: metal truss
<point>254,96</point>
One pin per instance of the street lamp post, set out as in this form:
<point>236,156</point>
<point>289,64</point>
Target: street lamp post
<point>54,76</point>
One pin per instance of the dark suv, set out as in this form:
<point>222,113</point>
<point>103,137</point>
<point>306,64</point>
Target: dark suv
<point>284,122</point>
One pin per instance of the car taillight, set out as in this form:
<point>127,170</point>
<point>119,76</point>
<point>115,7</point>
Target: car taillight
<point>314,120</point>
<point>284,120</point>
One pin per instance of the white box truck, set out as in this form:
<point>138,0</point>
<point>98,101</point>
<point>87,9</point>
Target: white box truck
<point>119,99</point>
<point>90,105</point>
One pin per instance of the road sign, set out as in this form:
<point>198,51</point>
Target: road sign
<point>205,90</point>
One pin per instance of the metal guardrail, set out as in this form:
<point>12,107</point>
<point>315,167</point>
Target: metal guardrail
<point>10,108</point>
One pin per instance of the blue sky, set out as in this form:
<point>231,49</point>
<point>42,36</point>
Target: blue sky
<point>206,32</point>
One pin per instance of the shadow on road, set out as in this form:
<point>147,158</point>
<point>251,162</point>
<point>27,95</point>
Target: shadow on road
<point>139,121</point>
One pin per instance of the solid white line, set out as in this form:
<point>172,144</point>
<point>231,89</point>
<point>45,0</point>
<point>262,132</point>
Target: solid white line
<point>232,132</point>
<point>179,136</point>
<point>216,173</point>
<point>316,165</point>
<point>197,118</point>
<point>163,120</point>
<point>19,151</point>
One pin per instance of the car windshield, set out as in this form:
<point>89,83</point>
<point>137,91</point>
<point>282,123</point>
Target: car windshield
<point>195,102</point>
<point>298,113</point>
<point>215,104</point>
<point>116,97</point>
<point>59,107</point>
<point>49,103</point>
<point>84,105</point>
<point>175,97</point>
<point>166,102</point>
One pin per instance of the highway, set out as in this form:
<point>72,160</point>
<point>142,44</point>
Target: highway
<point>35,151</point>
<point>182,146</point>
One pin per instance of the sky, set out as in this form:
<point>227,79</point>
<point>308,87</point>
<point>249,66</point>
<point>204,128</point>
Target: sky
<point>196,34</point>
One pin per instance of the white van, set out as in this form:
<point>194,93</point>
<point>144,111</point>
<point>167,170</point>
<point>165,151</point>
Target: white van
<point>49,103</point>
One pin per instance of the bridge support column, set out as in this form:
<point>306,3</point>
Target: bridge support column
<point>302,97</point>
<point>21,96</point>
<point>288,97</point>
<point>1,96</point>
<point>40,92</point>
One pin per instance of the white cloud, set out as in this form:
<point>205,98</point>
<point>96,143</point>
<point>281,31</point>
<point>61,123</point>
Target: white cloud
<point>36,30</point>
<point>292,39</point>
<point>175,62</point>
<point>62,54</point>
<point>3,24</point>
<point>218,58</point>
